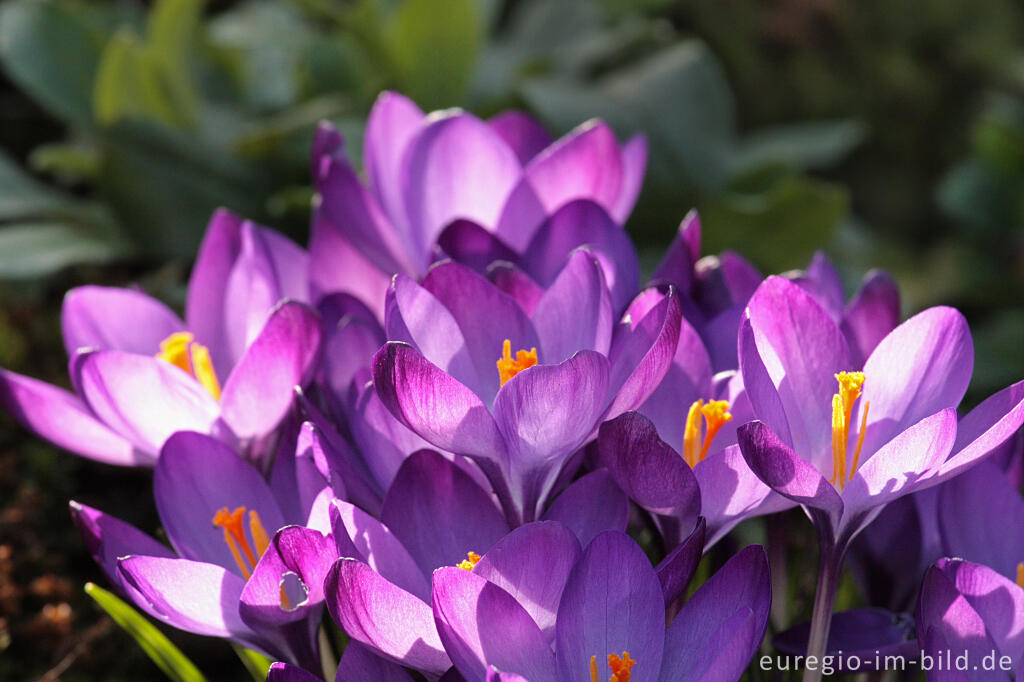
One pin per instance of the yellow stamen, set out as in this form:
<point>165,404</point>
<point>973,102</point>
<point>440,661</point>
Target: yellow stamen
<point>508,366</point>
<point>850,384</point>
<point>469,562</point>
<point>237,542</point>
<point>697,438</point>
<point>1020,574</point>
<point>620,667</point>
<point>183,352</point>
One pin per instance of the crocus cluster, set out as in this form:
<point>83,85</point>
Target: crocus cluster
<point>458,427</point>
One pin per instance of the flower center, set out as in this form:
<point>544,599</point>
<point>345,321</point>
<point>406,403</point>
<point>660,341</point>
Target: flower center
<point>697,437</point>
<point>620,667</point>
<point>850,384</point>
<point>469,562</point>
<point>183,352</point>
<point>508,366</point>
<point>1020,574</point>
<point>246,554</point>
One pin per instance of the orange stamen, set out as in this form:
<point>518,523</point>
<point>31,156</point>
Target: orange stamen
<point>469,562</point>
<point>1020,574</point>
<point>697,438</point>
<point>716,415</point>
<point>508,366</point>
<point>237,542</point>
<point>193,358</point>
<point>850,384</point>
<point>620,667</point>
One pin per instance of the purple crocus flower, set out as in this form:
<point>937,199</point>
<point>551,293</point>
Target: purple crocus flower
<point>597,617</point>
<point>231,573</point>
<point>843,452</point>
<point>486,190</point>
<point>140,373</point>
<point>434,515</point>
<point>969,613</point>
<point>450,375</point>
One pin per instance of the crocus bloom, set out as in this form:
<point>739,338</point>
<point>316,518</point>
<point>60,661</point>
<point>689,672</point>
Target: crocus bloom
<point>844,444</point>
<point>436,515</point>
<point>140,373</point>
<point>498,181</point>
<point>601,617</point>
<point>969,610</point>
<point>519,390</point>
<point>357,663</point>
<point>230,574</point>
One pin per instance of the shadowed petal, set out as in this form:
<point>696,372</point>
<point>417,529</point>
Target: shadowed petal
<point>359,663</point>
<point>676,570</point>
<point>474,246</point>
<point>871,315</point>
<point>591,505</point>
<point>634,164</point>
<point>676,265</point>
<point>286,672</point>
<point>521,132</point>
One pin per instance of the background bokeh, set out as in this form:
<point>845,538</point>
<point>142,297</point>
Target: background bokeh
<point>888,134</point>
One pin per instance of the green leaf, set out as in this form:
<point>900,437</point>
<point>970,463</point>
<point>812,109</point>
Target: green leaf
<point>160,649</point>
<point>32,250</point>
<point>805,145</point>
<point>171,33</point>
<point>256,663</point>
<point>66,160</point>
<point>51,50</point>
<point>434,46</point>
<point>22,196</point>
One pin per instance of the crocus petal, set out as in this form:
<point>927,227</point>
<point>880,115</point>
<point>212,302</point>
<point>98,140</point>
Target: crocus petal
<point>642,354</point>
<point>521,132</point>
<point>393,123</point>
<point>516,284</point>
<point>757,383</point>
<point>204,306</point>
<point>975,511</point>
<point>66,421</point>
<point>544,413</point>
<point>441,187</point>
<point>286,672</point>
<point>474,246</point>
<point>654,475</point>
<point>822,281</point>
<point>195,477</point>
<point>873,313</point>
<point>190,595</point>
<point>676,266</point>
<point>360,536</point>
<point>336,265</point>
<point>787,473</point>
<point>590,506</point>
<point>532,564</point>
<point>921,367</point>
<point>108,539</point>
<point>612,603</point>
<point>634,164</point>
<point>486,317</point>
<point>144,399</point>
<point>986,427</point>
<point>721,626</point>
<point>584,223</point>
<point>348,349</point>
<point>578,294</point>
<point>259,391</point>
<point>433,404</point>
<point>676,570</point>
<point>802,349</point>
<point>481,624</point>
<point>359,663</point>
<point>439,513</point>
<point>111,318</point>
<point>385,618</point>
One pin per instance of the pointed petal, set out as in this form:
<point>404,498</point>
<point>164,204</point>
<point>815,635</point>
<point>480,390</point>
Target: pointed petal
<point>196,476</point>
<point>676,266</point>
<point>385,618</point>
<point>676,570</point>
<point>578,294</point>
<point>634,164</point>
<point>474,246</point>
<point>439,513</point>
<point>259,391</point>
<point>207,286</point>
<point>986,427</point>
<point>66,421</point>
<point>481,624</point>
<point>522,133</point>
<point>393,123</point>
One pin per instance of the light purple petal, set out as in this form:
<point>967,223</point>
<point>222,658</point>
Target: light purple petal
<point>532,564</point>
<point>986,427</point>
<point>336,265</point>
<point>481,624</point>
<point>195,477</point>
<point>393,123</point>
<point>577,294</point>
<point>822,281</point>
<point>922,367</point>
<point>66,421</point>
<point>516,284</point>
<point>145,399</point>
<point>591,505</point>
<point>634,164</point>
<point>612,603</point>
<point>434,405</point>
<point>522,133</point>
<point>760,390</point>
<point>111,318</point>
<point>387,619</point>
<point>260,390</point>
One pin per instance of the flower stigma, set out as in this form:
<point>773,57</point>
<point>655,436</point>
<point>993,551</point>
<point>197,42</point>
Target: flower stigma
<point>620,667</point>
<point>469,562</point>
<point>1020,574</point>
<point>246,554</point>
<point>697,439</point>
<point>181,350</point>
<point>850,384</point>
<point>508,366</point>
